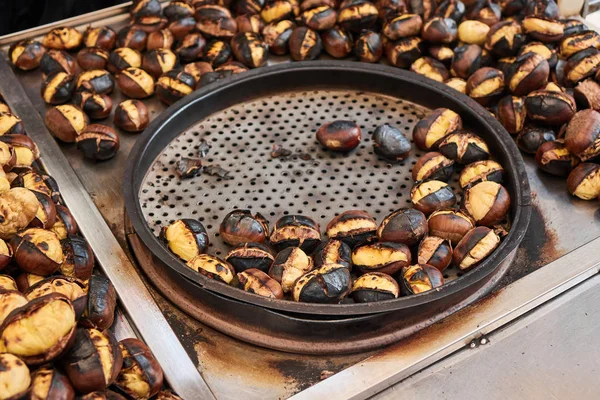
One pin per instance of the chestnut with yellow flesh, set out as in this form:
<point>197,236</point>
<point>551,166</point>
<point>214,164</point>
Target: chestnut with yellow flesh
<point>305,44</point>
<point>96,81</point>
<point>431,68</point>
<point>554,158</point>
<point>432,195</point>
<point>136,83</point>
<point>37,251</point>
<point>50,383</point>
<point>256,281</point>
<point>71,288</point>
<point>7,157</point>
<point>578,42</point>
<point>98,142</point>
<point>10,124</point>
<point>487,202</point>
<point>374,286</point>
<point>584,181</point>
<point>39,331</point>
<point>159,61</point>
<point>7,282</point>
<point>581,66</point>
<point>18,207</point>
<point>464,148</point>
<point>352,227</point>
<point>123,58</point>
<point>512,113</point>
<point>63,38</point>
<point>26,280</point>
<point>368,47</point>
<point>25,150</point>
<point>14,377</point>
<point>131,116</point>
<point>328,284</point>
<point>485,88</point>
<point>65,224</point>
<point>531,73</point>
<point>357,16</point>
<point>57,88</point>
<point>435,251</point>
<point>174,85</point>
<point>46,213</point>
<point>450,224</point>
<point>404,52</point>
<point>420,278</point>
<point>403,25</point>
<point>186,238</point>
<point>102,37</point>
<point>212,267</point>
<point>543,30</point>
<point>319,18</point>
<point>296,231</point>
<point>66,122</point>
<point>439,30</point>
<point>473,32</point>
<point>216,53</point>
<point>162,39</point>
<point>26,54</point>
<point>480,171</point>
<point>277,35</point>
<point>429,131</point>
<point>78,261</point>
<point>250,255</point>
<point>141,376</point>
<point>505,39</point>
<point>289,265</point>
<point>10,300</point>
<point>332,252</point>
<point>383,257</point>
<point>196,69</point>
<point>474,247</point>
<point>582,136</point>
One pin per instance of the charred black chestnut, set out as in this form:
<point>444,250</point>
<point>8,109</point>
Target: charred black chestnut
<point>582,136</point>
<point>474,247</point>
<point>487,202</point>
<point>432,195</point>
<point>249,49</point>
<point>357,15</point>
<point>467,59</point>
<point>215,21</point>
<point>505,38</point>
<point>374,286</point>
<point>450,9</point>
<point>249,23</point>
<point>96,106</point>
<point>277,36</point>
<point>464,147</point>
<point>249,7</point>
<point>433,166</point>
<point>96,81</point>
<point>26,54</point>
<point>131,116</point>
<point>353,227</point>
<point>186,238</point>
<point>512,113</point>
<point>584,181</point>
<point>174,85</point>
<point>57,88</point>
<point>390,143</point>
<point>431,130</point>
<point>420,278</point>
<point>328,284</point>
<point>143,8</point>
<point>57,60</point>
<point>240,226</point>
<point>98,142</point>
<point>528,73</point>
<point>101,303</point>
<point>305,44</point>
<point>216,53</point>
<point>440,30</point>
<point>289,265</point>
<point>340,136</point>
<point>484,11</point>
<point>581,66</point>
<point>333,251</point>
<point>177,10</point>
<point>159,61</point>
<point>554,157</point>
<point>192,47</point>
<point>141,375</point>
<point>78,258</point>
<point>550,107</point>
<point>404,52</point>
<point>532,137</point>
<point>368,47</point>
<point>406,225</point>
<point>65,224</point>
<point>442,53</point>
<point>481,171</point>
<point>296,230</point>
<point>250,255</point>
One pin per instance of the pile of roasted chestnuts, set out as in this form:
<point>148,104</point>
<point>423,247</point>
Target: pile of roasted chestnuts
<point>55,312</point>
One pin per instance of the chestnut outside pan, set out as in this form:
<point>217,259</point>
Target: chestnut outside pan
<point>321,75</point>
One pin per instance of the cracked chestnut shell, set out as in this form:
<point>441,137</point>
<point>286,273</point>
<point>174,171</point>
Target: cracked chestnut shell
<point>487,202</point>
<point>305,44</point>
<point>14,377</point>
<point>256,281</point>
<point>57,60</point>
<point>420,278</point>
<point>406,225</point>
<point>550,107</point>
<point>582,136</point>
<point>435,251</point>
<point>486,85</point>
<point>26,54</point>
<point>249,23</point>
<point>328,284</point>
<point>26,151</point>
<point>353,227</point>
<point>141,376</point>
<point>277,36</point>
<point>212,267</point>
<point>554,157</point>
<point>177,10</point>
<point>78,257</point>
<point>46,213</point>
<point>541,49</point>
<point>318,18</point>
<point>484,11</point>
<point>442,53</point>
<point>8,157</point>
<point>481,171</point>
<point>18,207</point>
<point>234,66</point>
<point>357,15</point>
<point>440,30</point>
<point>466,60</point>
<point>162,39</point>
<point>433,166</point>
<point>136,83</point>
<point>250,255</point>
<point>10,300</point>
<point>57,88</point>
<point>473,32</point>
<point>215,21</point>
<point>143,8</point>
<point>580,41</point>
<point>374,286</point>
<point>249,49</point>
<point>10,124</point>
<point>341,136</point>
<point>474,247</point>
<point>196,69</point>
<point>96,81</point>
<point>296,231</point>
<point>385,257</point>
<point>543,29</point>
<point>333,251</point>
<point>185,238</point>
<point>7,282</point>
<point>65,224</point>
<point>505,39</point>
<point>102,37</point>
<point>584,181</point>
<point>71,288</point>
<point>337,42</point>
<point>95,106</point>
<point>388,9</point>
<point>450,224</point>
<point>37,251</point>
<point>174,85</point>
<point>402,53</point>
<point>574,26</point>
<point>159,61</point>
<point>132,37</point>
<point>368,47</point>
<point>581,66</point>
<point>453,9</point>
<point>66,122</point>
<point>390,143</point>
<point>63,38</point>
<point>131,116</point>
<point>39,331</point>
<point>512,113</point>
<point>249,7</point>
<point>464,147</point>
<point>93,361</point>
<point>240,226</point>
<point>149,24</point>
<point>432,195</point>
<point>217,53</point>
<point>403,25</point>
<point>101,303</point>
<point>430,131</point>
<point>529,72</point>
<point>90,58</point>
<point>123,58</point>
<point>431,68</point>
<point>290,264</point>
<point>192,47</point>
<point>50,383</point>
<point>26,280</point>
<point>532,137</point>
<point>279,10</point>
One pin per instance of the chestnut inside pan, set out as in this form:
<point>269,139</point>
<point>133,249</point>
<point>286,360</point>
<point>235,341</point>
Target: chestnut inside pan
<point>168,131</point>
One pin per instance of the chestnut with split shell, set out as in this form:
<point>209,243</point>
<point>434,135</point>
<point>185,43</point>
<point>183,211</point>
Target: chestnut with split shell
<point>296,230</point>
<point>352,227</point>
<point>256,281</point>
<point>250,255</point>
<point>186,238</point>
<point>328,284</point>
<point>385,257</point>
<point>374,286</point>
<point>487,202</point>
<point>289,265</point>
<point>406,225</point>
<point>333,251</point>
<point>212,267</point>
<point>420,278</point>
<point>240,226</point>
<point>474,247</point>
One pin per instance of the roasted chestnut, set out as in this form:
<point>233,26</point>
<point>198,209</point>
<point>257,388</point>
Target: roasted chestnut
<point>474,247</point>
<point>249,23</point>
<point>290,264</point>
<point>485,11</point>
<point>196,69</point>
<point>464,147</point>
<point>131,116</point>
<point>101,303</point>
<point>217,53</point>
<point>440,30</point>
<point>512,113</point>
<point>10,124</point>
<point>249,7</point>
<point>57,60</point>
<point>240,226</point>
<point>71,288</point>
<point>142,8</point>
<point>542,8</point>
<point>529,72</point>
<point>406,225</point>
<point>390,143</point>
<point>487,202</point>
<point>584,181</point>
<point>25,150</point>
<point>14,377</point>
<point>582,136</point>
<point>473,32</point>
<point>574,26</point>
<point>466,60</point>
<point>432,195</point>
<point>532,137</point>
<point>442,53</point>
<point>587,94</point>
<point>581,66</point>
<point>78,258</point>
<point>250,255</point>
<point>66,122</point>
<point>10,300</point>
<point>256,281</point>
<point>132,37</point>
<point>249,49</point>
<point>277,36</point>
<point>436,252</point>
<point>8,156</point>
<point>46,213</point>
<point>57,88</point>
<point>305,44</point>
<point>431,68</point>
<point>318,18</point>
<point>385,257</point>
<point>39,331</point>
<point>18,207</point>
<point>162,39</point>
<point>177,10</point>
<point>388,9</point>
<point>296,231</point>
<point>357,15</point>
<point>505,38</point>
<point>542,29</point>
<point>234,66</point>
<point>431,130</point>
<point>212,267</point>
<point>333,251</point>
<point>186,238</point>
<point>328,284</point>
<point>433,166</point>
<point>141,376</point>
<point>353,227</point>
<point>123,58</point>
<point>215,21</point>
<point>26,280</point>
<point>7,282</point>
<point>578,42</point>
<point>37,251</point>
<point>192,47</point>
<point>26,54</point>
<point>481,171</point>
<point>374,286</point>
<point>541,49</point>
<point>450,9</point>
<point>403,25</point>
<point>341,136</point>
<point>279,10</point>
<point>174,85</point>
<point>486,85</point>
<point>98,142</point>
<point>368,47</point>
<point>149,24</point>
<point>554,158</point>
<point>102,37</point>
<point>50,383</point>
<point>159,61</point>
<point>95,106</point>
<point>450,224</point>
<point>420,278</point>
<point>136,83</point>
<point>65,224</point>
<point>96,81</point>
<point>63,38</point>
<point>180,28</point>
<point>90,58</point>
<point>402,53</point>
<point>550,107</point>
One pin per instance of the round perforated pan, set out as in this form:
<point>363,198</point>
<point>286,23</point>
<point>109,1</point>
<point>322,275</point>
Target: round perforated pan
<point>244,117</point>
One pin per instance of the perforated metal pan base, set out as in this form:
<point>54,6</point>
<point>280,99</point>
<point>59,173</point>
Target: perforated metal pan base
<point>242,118</point>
